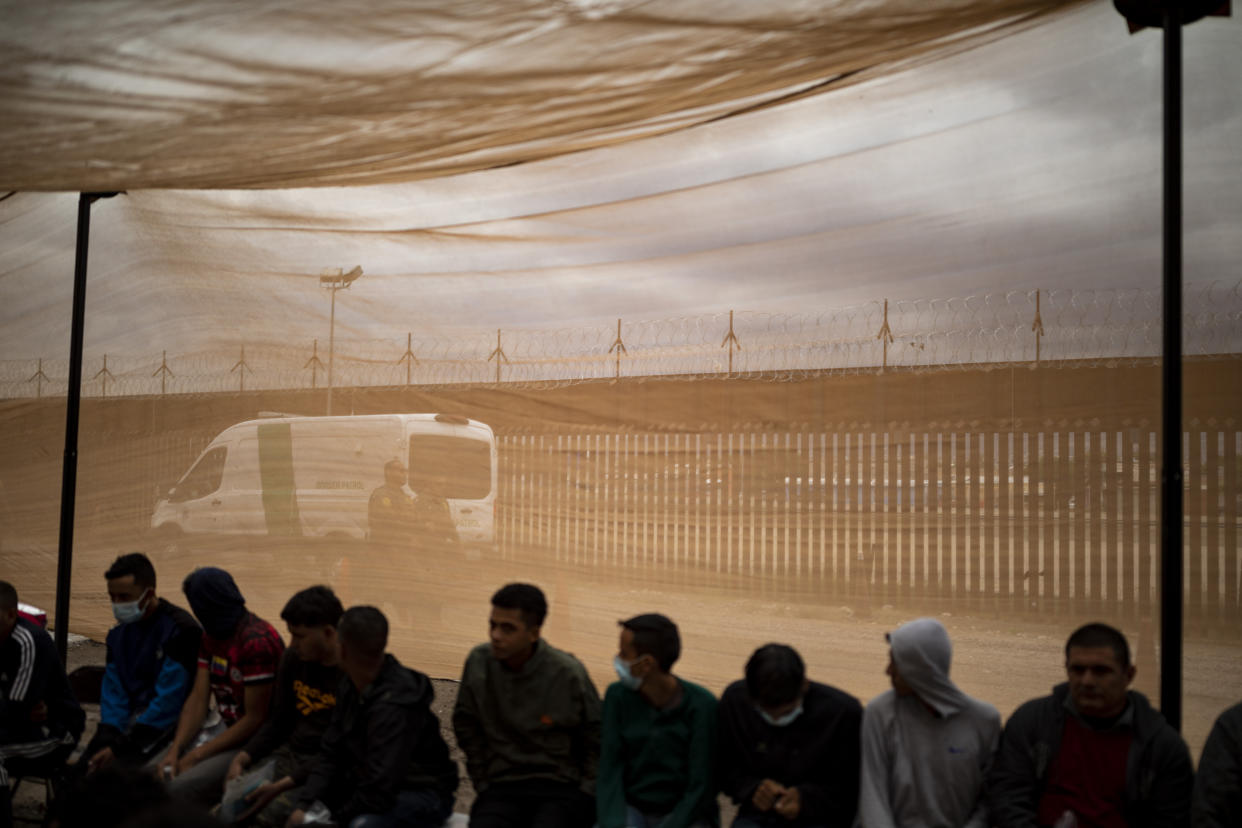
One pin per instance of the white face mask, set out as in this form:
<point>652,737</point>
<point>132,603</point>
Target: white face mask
<point>127,612</point>
<point>782,721</point>
<point>623,673</point>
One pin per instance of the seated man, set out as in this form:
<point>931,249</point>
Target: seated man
<point>1217,799</point>
<point>306,688</point>
<point>237,663</point>
<point>150,665</point>
<point>1094,748</point>
<point>788,746</point>
<point>926,745</point>
<point>657,759</point>
<point>527,718</point>
<point>40,721</point>
<point>382,761</point>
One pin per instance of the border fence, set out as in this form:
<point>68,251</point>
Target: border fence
<point>1010,490</point>
<point>1062,519</point>
<point>1066,328</point>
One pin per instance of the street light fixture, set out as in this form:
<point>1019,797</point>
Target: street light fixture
<point>333,280</point>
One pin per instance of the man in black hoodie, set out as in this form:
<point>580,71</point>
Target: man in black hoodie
<point>382,761</point>
<point>1094,749</point>
<point>40,720</point>
<point>788,746</point>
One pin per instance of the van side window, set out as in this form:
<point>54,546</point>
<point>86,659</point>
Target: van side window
<point>204,478</point>
<point>455,468</point>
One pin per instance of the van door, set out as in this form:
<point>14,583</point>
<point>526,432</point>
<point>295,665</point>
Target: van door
<point>196,497</point>
<point>241,512</point>
<point>460,470</point>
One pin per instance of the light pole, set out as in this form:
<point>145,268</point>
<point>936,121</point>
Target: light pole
<point>334,280</point>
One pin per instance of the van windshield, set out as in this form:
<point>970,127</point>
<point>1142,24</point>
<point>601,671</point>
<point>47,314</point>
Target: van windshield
<point>456,468</point>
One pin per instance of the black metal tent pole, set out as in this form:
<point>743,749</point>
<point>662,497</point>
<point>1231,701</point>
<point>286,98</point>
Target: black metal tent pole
<point>69,474</point>
<point>1171,507</point>
<point>1172,16</point>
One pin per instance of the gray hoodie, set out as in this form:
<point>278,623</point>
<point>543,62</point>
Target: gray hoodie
<point>925,756</point>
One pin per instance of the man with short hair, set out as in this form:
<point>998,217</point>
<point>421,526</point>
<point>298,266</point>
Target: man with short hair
<point>151,657</point>
<point>926,745</point>
<point>1094,749</point>
<point>40,720</point>
<point>1217,801</point>
<point>306,695</point>
<point>382,762</point>
<point>390,511</point>
<point>527,718</point>
<point>657,760</point>
<point>237,663</point>
<point>788,746</point>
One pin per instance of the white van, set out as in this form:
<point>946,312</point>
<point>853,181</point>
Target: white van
<point>313,476</point>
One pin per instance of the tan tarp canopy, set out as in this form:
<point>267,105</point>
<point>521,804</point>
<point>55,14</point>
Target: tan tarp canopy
<point>217,94</point>
<point>980,152</point>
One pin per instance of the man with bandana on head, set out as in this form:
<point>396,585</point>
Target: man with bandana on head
<point>788,746</point>
<point>237,665</point>
<point>926,745</point>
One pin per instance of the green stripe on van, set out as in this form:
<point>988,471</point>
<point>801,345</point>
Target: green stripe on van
<point>280,497</point>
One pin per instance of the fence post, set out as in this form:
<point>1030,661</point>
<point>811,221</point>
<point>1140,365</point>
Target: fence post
<point>886,337</point>
<point>408,357</point>
<point>1038,327</point>
<point>498,354</point>
<point>314,363</point>
<point>163,372</point>
<point>38,377</point>
<point>103,375</point>
<point>619,347</point>
<point>241,368</point>
<point>731,341</point>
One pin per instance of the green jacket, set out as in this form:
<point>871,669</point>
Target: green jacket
<point>541,722</point>
<point>659,761</point>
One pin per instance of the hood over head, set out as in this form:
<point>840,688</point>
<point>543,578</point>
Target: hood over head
<point>217,602</point>
<point>922,653</point>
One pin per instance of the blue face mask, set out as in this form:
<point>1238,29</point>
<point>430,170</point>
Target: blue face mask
<point>782,721</point>
<point>623,673</point>
<point>127,612</point>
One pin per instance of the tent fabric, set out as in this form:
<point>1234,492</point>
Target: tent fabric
<point>133,94</point>
<point>962,190</point>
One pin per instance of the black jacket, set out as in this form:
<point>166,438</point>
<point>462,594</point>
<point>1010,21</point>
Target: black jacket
<point>1159,775</point>
<point>306,695</point>
<point>818,753</point>
<point>30,673</point>
<point>1218,786</point>
<point>380,742</point>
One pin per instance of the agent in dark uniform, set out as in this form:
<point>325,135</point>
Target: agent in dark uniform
<point>390,513</point>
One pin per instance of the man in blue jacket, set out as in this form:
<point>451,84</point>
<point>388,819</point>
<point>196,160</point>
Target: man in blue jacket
<point>150,665</point>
